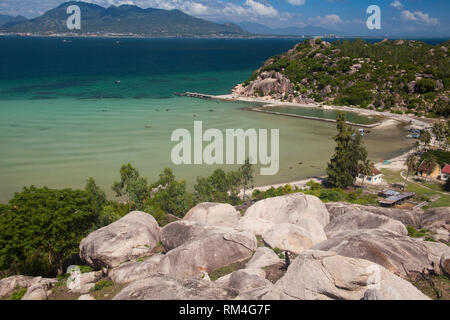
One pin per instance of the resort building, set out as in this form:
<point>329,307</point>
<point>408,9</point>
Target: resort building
<point>429,169</point>
<point>375,178</point>
<point>445,172</point>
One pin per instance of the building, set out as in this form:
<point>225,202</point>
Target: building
<point>429,169</point>
<point>375,178</point>
<point>445,172</point>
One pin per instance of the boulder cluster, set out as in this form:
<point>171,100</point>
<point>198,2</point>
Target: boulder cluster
<point>338,251</point>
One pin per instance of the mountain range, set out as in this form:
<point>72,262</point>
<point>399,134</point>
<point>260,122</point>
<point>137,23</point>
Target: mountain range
<point>257,28</point>
<point>124,19</point>
<point>4,19</point>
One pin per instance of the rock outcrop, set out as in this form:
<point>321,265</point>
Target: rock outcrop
<point>263,257</point>
<point>214,214</point>
<point>290,237</point>
<point>354,220</point>
<point>201,249</point>
<point>244,280</point>
<point>398,254</point>
<point>266,84</point>
<point>11,284</point>
<point>162,287</point>
<point>290,209</point>
<point>133,236</point>
<point>407,217</point>
<point>437,221</point>
<point>131,271</point>
<point>318,275</point>
<point>255,225</point>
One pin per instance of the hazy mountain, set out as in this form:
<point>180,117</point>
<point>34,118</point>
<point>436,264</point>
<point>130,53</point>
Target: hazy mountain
<point>257,28</point>
<point>10,19</point>
<point>125,19</point>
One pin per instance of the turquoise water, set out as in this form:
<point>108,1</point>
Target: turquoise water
<point>325,114</point>
<point>63,117</point>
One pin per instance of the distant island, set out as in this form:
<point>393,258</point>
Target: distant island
<point>403,77</point>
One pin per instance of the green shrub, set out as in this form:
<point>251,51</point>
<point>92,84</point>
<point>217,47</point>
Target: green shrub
<point>103,284</point>
<point>18,295</point>
<point>279,253</point>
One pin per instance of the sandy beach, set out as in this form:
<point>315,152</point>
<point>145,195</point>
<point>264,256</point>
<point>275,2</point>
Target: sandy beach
<point>390,120</point>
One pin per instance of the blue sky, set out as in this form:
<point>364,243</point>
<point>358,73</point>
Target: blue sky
<point>398,16</point>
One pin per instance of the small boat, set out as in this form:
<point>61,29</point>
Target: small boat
<point>117,81</point>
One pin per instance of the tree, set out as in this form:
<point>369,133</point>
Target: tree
<point>40,228</point>
<point>366,168</point>
<point>97,195</point>
<point>412,163</point>
<point>132,186</point>
<point>447,185</point>
<point>439,131</point>
<point>246,171</point>
<point>172,196</point>
<point>425,138</point>
<point>343,167</point>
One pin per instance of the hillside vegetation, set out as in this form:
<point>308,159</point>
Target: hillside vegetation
<point>124,19</point>
<point>399,76</point>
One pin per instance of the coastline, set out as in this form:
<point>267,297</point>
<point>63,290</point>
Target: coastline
<point>389,119</point>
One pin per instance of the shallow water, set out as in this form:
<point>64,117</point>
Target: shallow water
<point>61,123</point>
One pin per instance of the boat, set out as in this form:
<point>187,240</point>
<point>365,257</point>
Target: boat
<point>117,81</point>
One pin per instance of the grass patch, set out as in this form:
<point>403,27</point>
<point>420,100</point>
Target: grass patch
<point>18,295</point>
<point>279,253</point>
<point>102,284</point>
<point>218,273</point>
<point>422,193</point>
<point>436,287</point>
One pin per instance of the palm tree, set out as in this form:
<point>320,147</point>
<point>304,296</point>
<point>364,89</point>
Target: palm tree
<point>412,162</point>
<point>366,169</point>
<point>425,137</point>
<point>417,145</point>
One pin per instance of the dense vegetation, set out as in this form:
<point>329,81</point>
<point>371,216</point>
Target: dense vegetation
<point>399,76</point>
<point>40,228</point>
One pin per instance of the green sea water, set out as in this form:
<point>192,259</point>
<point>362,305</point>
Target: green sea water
<point>64,116</point>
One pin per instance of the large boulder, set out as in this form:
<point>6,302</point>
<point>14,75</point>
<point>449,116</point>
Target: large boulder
<point>255,225</point>
<point>213,249</point>
<point>131,271</point>
<point>290,208</point>
<point>244,280</point>
<point>407,217</point>
<point>437,221</point>
<point>445,263</point>
<point>160,287</point>
<point>290,237</point>
<point>214,214</point>
<point>178,233</point>
<point>133,236</point>
<point>263,257</point>
<point>318,275</point>
<point>398,254</point>
<point>354,220</point>
<point>11,284</point>
<point>36,292</point>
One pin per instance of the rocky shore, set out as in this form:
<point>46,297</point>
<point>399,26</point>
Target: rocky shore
<point>338,251</point>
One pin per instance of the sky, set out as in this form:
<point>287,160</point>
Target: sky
<point>397,16</point>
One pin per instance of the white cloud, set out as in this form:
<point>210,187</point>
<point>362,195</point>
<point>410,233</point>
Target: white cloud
<point>331,19</point>
<point>419,16</point>
<point>397,4</point>
<point>296,2</point>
